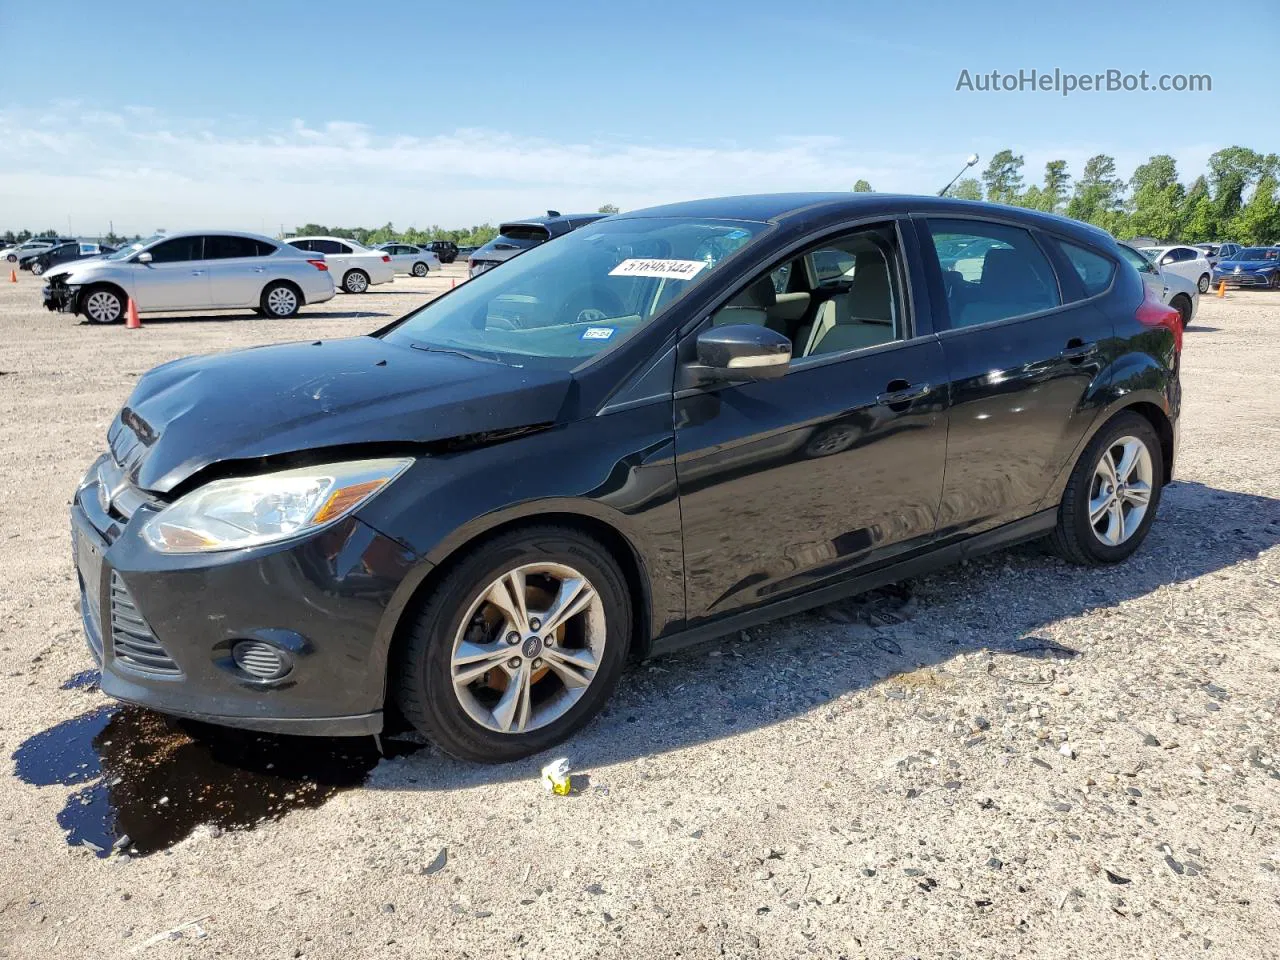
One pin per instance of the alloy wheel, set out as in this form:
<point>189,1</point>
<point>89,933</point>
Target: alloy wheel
<point>357,282</point>
<point>528,648</point>
<point>282,301</point>
<point>420,269</point>
<point>102,307</point>
<point>1121,491</point>
<point>37,268</point>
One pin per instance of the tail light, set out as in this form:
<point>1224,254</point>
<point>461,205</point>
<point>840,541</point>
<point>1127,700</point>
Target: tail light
<point>1153,313</point>
<point>386,258</point>
<point>319,264</point>
<point>471,264</point>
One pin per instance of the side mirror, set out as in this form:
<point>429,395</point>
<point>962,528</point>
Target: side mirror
<point>742,352</point>
<point>143,257</point>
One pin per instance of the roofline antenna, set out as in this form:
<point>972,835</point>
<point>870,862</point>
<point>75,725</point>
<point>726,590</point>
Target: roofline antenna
<point>973,158</point>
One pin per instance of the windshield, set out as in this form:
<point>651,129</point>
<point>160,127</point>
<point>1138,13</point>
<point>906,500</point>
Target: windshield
<point>579,295</point>
<point>1152,252</point>
<point>1258,253</point>
<point>130,249</point>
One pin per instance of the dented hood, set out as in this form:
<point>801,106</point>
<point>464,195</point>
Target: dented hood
<point>191,413</point>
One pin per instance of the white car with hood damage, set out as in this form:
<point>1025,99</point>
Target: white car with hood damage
<point>194,270</point>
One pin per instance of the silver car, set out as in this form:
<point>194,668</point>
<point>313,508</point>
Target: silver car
<point>1170,288</point>
<point>410,259</point>
<point>518,236</point>
<point>192,270</point>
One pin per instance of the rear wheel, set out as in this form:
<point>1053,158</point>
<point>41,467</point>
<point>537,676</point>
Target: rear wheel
<point>419,269</point>
<point>103,305</point>
<point>1182,304</point>
<point>1113,494</point>
<point>1203,283</point>
<point>518,647</point>
<point>279,300</point>
<point>356,281</point>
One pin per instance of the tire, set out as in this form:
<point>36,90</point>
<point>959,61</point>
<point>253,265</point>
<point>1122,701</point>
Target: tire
<point>464,721</point>
<point>102,305</point>
<point>279,300</point>
<point>420,269</point>
<point>355,281</point>
<point>1275,281</point>
<point>1182,303</point>
<point>37,269</point>
<point>1203,283</point>
<point>1075,538</point>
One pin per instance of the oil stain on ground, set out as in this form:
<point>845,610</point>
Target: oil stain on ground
<point>147,781</point>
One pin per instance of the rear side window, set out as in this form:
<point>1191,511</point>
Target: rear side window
<point>1095,271</point>
<point>177,250</point>
<point>302,245</point>
<point>224,248</point>
<point>991,271</point>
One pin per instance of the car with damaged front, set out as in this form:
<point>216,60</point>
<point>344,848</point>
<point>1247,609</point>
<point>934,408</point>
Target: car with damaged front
<point>192,270</point>
<point>662,427</point>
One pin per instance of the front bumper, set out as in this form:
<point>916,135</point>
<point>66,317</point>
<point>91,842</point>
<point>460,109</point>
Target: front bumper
<point>61,299</point>
<point>1243,279</point>
<point>162,626</point>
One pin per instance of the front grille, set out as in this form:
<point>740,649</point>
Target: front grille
<point>131,638</point>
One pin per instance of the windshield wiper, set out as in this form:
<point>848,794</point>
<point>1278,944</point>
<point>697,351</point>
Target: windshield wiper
<point>432,348</point>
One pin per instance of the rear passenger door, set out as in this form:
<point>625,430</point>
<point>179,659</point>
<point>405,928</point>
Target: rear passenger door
<point>1024,343</point>
<point>237,270</point>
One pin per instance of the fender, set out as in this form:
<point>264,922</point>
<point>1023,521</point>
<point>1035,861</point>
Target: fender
<point>1133,379</point>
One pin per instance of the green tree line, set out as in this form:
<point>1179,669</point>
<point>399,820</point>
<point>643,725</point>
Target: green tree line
<point>387,233</point>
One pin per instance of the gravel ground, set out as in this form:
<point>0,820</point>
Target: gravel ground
<point>1010,757</point>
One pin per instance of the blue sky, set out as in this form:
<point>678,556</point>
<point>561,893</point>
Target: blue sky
<point>262,114</point>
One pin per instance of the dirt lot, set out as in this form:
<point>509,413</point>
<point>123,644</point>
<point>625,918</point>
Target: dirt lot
<point>1015,757</point>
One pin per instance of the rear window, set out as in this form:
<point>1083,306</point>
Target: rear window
<point>524,234</point>
<point>1095,271</point>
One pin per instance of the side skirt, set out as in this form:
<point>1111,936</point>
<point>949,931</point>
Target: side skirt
<point>1028,528</point>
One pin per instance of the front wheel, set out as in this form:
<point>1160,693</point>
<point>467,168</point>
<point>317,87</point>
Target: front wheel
<point>518,647</point>
<point>37,268</point>
<point>419,269</point>
<point>1113,494</point>
<point>1275,281</point>
<point>103,305</point>
<point>1203,283</point>
<point>356,281</point>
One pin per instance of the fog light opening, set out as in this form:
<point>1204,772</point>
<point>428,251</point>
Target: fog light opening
<point>262,661</point>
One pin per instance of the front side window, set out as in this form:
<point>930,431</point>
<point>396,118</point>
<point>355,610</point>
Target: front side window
<point>846,294</point>
<point>992,272</point>
<point>177,250</point>
<point>561,303</point>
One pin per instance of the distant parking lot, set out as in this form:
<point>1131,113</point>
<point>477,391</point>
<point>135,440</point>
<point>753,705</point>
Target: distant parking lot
<point>1014,756</point>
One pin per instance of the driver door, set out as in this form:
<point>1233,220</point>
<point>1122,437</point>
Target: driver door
<point>177,278</point>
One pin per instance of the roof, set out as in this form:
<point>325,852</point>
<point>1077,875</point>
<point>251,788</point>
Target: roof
<point>782,207</point>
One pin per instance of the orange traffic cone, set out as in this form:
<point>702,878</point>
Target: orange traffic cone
<point>13,276</point>
<point>453,283</point>
<point>1222,288</point>
<point>131,316</point>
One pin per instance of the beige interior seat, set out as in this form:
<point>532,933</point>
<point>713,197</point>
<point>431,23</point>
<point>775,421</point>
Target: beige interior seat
<point>863,317</point>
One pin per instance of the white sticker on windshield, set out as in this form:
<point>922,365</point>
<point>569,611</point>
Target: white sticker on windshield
<point>662,269</point>
<point>597,333</point>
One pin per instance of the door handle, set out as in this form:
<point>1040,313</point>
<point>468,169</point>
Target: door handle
<point>1077,349</point>
<point>197,273</point>
<point>900,392</point>
<point>259,269</point>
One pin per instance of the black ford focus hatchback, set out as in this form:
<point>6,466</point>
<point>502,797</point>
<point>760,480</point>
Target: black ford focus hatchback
<point>661,427</point>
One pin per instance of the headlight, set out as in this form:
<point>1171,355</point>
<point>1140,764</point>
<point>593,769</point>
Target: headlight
<point>248,511</point>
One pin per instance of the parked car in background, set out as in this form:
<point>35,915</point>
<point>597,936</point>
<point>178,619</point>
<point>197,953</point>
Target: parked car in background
<point>1171,289</point>
<point>16,252</point>
<point>517,236</point>
<point>446,250</point>
<point>617,444</point>
<point>1183,261</point>
<point>64,253</point>
<point>1228,250</point>
<point>191,270</point>
<point>355,268</point>
<point>409,259</point>
<point>1250,267</point>
<point>1210,251</point>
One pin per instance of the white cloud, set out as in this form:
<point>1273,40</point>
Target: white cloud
<point>143,170</point>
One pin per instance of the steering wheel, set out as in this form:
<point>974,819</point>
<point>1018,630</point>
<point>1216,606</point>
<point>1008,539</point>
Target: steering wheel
<point>591,304</point>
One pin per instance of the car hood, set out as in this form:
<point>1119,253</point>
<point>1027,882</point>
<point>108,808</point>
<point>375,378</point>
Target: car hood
<point>189,414</point>
<point>1248,265</point>
<point>79,271</point>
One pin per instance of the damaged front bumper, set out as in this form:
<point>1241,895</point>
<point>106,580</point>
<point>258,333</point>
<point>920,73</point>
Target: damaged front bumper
<point>61,298</point>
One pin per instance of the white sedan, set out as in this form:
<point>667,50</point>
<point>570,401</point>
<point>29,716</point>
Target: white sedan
<point>1186,262</point>
<point>410,260</point>
<point>354,268</point>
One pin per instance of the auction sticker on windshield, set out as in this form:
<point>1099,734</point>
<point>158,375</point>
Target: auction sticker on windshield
<point>662,269</point>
